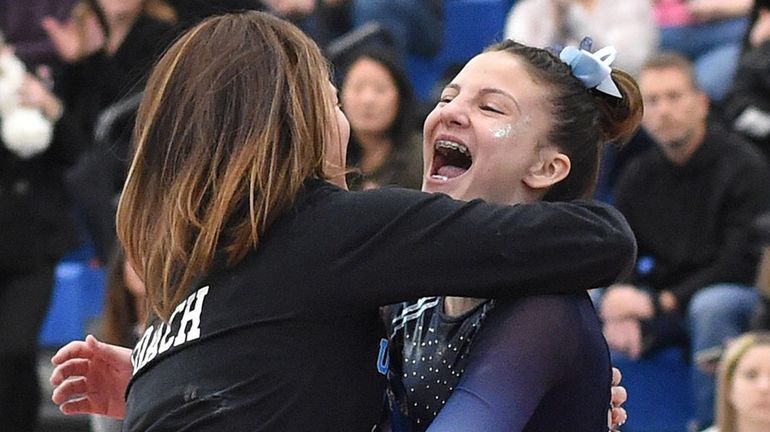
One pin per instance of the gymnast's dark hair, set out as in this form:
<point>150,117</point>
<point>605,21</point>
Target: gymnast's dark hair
<point>584,120</point>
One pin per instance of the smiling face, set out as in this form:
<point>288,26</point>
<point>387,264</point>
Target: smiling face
<point>487,136</point>
<point>750,393</point>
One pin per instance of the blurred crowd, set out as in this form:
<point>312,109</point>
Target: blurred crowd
<point>694,182</point>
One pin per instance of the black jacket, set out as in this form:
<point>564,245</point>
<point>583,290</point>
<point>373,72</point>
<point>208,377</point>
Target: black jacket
<point>693,222</point>
<point>289,338</point>
<point>747,106</point>
<point>36,224</point>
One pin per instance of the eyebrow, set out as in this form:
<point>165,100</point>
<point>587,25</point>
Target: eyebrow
<point>490,90</point>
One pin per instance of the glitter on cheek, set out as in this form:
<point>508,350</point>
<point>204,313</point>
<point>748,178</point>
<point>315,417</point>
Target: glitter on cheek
<point>502,132</point>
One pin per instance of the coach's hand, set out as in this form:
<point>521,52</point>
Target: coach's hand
<point>91,378</point>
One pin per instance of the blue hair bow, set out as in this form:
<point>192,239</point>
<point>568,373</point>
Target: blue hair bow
<point>592,69</point>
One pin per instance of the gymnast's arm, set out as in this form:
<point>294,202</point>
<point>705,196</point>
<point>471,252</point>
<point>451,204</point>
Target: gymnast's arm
<point>523,350</point>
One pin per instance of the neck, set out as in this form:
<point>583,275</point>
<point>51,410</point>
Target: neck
<point>458,306</point>
<point>375,149</point>
<point>139,309</point>
<point>120,26</point>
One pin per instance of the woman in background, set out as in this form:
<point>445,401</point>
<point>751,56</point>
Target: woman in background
<point>743,393</point>
<point>378,100</point>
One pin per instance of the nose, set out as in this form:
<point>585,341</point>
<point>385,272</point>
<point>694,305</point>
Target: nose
<point>369,95</point>
<point>454,113</point>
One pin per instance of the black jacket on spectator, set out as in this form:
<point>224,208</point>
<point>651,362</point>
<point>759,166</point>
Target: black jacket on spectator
<point>87,89</point>
<point>89,86</point>
<point>747,107</point>
<point>35,218</point>
<point>693,222</point>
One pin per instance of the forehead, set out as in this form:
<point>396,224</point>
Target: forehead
<point>367,65</point>
<point>758,355</point>
<point>651,80</point>
<point>498,69</point>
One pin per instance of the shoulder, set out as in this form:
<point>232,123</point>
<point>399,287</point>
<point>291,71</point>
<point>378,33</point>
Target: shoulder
<point>566,324</point>
<point>739,152</point>
<point>530,9</point>
<point>640,168</point>
<point>757,59</point>
<point>561,313</point>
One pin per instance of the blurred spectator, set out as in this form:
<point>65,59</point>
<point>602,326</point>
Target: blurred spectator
<point>385,146</point>
<point>709,33</point>
<point>322,20</point>
<point>36,231</point>
<point>190,12</point>
<point>413,27</point>
<point>747,106</point>
<point>743,400</point>
<point>627,25</point>
<point>20,24</point>
<point>109,47</point>
<point>109,51</point>
<point>122,320</point>
<point>691,201</point>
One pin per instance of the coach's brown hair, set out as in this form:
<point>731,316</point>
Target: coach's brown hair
<point>233,121</point>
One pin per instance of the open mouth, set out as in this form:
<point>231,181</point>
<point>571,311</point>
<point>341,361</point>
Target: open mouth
<point>450,160</point>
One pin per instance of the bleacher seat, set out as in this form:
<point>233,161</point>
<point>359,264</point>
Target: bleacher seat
<point>77,299</point>
<point>659,391</point>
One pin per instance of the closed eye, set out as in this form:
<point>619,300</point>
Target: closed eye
<point>490,109</point>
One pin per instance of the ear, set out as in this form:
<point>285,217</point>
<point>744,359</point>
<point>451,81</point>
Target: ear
<point>551,167</point>
<point>703,104</point>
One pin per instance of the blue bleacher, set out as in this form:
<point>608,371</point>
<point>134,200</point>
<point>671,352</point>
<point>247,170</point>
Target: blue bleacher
<point>469,26</point>
<point>659,391</point>
<point>77,299</point>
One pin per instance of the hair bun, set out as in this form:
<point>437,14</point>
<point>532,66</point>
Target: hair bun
<point>620,117</point>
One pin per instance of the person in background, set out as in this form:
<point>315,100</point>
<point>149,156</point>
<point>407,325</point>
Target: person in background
<point>691,201</point>
<point>709,33</point>
<point>747,106</point>
<point>37,230</point>
<point>378,100</point>
<point>627,25</point>
<point>109,47</point>
<point>743,395</point>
